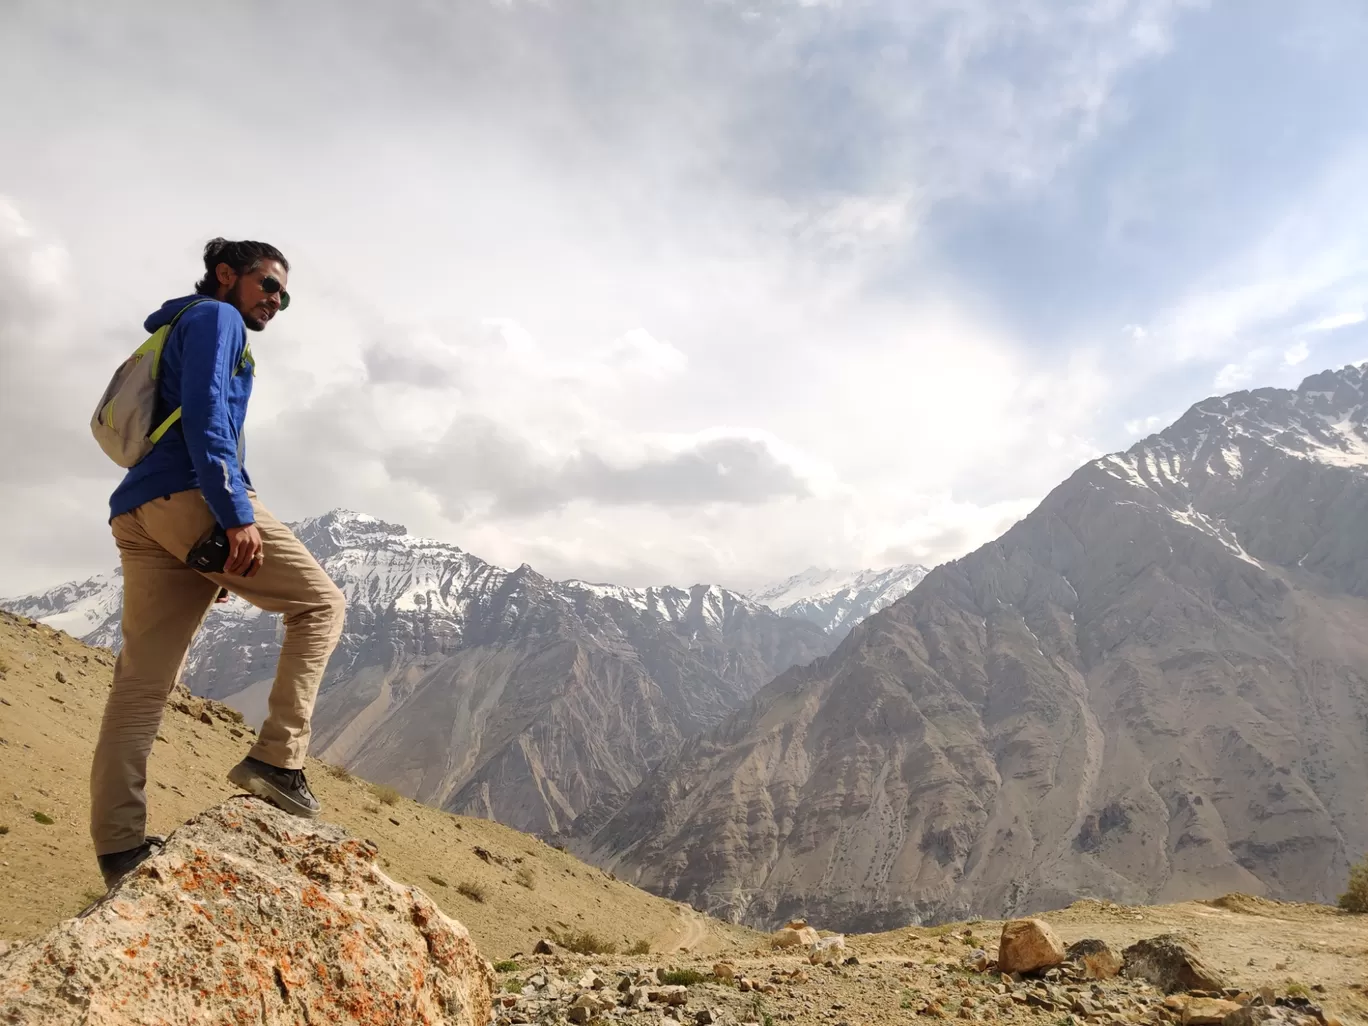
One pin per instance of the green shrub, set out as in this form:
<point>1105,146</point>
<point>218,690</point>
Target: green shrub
<point>1355,899</point>
<point>513,986</point>
<point>506,966</point>
<point>683,977</point>
<point>386,794</point>
<point>526,878</point>
<point>44,818</point>
<point>1297,989</point>
<point>641,947</point>
<point>339,773</point>
<point>585,943</point>
<point>473,891</point>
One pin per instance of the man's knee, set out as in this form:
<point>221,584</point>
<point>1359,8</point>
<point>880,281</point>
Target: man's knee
<point>335,604</point>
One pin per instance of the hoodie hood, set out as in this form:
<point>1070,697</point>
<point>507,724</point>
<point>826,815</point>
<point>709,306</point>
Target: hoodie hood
<point>168,311</point>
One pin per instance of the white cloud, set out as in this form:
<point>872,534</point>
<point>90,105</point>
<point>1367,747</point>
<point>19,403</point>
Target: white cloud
<point>1146,426</point>
<point>637,351</point>
<point>1296,353</point>
<point>1236,375</point>
<point>1311,255</point>
<point>1340,320</point>
<point>560,270</point>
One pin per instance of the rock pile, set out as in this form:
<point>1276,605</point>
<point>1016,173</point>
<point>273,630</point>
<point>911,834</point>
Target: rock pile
<point>250,915</point>
<point>1085,988</point>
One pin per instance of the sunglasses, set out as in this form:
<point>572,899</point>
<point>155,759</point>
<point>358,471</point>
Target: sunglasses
<point>270,285</point>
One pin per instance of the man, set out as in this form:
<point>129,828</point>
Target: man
<point>169,502</point>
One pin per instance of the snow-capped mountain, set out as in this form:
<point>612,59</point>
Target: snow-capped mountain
<point>1152,688</point>
<point>836,600</point>
<point>480,688</point>
<point>88,610</point>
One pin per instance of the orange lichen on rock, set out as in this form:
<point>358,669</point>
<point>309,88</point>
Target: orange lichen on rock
<point>301,925</point>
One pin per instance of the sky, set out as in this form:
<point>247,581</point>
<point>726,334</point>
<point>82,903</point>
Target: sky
<point>681,291</point>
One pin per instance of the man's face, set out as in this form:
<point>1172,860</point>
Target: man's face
<point>253,301</point>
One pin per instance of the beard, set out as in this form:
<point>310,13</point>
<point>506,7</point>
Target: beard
<point>250,317</point>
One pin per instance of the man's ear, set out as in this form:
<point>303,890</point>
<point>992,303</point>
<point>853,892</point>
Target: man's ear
<point>225,274</point>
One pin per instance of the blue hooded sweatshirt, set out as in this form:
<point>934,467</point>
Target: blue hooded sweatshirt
<point>203,371</point>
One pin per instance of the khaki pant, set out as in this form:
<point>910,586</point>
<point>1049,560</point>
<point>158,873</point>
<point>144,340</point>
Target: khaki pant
<point>164,602</point>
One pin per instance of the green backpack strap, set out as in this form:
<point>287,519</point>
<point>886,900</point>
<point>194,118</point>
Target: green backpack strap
<point>170,421</point>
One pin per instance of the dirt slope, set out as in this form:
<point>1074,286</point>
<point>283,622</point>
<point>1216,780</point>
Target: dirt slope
<point>47,872</point>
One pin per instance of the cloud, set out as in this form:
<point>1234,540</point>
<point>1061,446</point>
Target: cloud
<point>636,351</point>
<point>1336,321</point>
<point>1146,426</point>
<point>667,291</point>
<point>1296,353</point>
<point>1309,256</point>
<point>482,467</point>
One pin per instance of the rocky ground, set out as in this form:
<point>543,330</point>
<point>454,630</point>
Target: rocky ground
<point>913,975</point>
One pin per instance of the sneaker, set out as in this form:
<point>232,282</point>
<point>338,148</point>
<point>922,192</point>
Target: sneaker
<point>285,789</point>
<point>118,864</point>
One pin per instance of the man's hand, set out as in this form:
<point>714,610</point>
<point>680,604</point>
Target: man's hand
<point>244,551</point>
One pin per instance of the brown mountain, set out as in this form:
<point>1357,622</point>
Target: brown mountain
<point>1153,687</point>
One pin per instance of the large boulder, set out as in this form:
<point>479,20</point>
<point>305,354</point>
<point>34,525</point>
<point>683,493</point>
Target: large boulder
<point>795,934</point>
<point>250,915</point>
<point>1098,960</point>
<point>1027,946</point>
<point>1171,963</point>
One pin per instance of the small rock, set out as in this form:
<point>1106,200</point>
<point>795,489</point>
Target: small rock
<point>1208,1011</point>
<point>796,934</point>
<point>671,995</point>
<point>977,960</point>
<point>1171,964</point>
<point>1028,945</point>
<point>543,947</point>
<point>724,971</point>
<point>1249,1015</point>
<point>705,1017</point>
<point>394,821</point>
<point>1097,960</point>
<point>61,677</point>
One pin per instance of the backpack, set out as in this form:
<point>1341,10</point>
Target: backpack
<point>122,423</point>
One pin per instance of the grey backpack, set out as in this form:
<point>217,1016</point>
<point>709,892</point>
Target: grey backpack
<point>122,423</point>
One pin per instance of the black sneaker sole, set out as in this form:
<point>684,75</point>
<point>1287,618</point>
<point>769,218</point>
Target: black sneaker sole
<point>112,878</point>
<point>255,784</point>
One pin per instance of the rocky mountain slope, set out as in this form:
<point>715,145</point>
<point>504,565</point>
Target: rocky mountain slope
<point>1153,687</point>
<point>836,600</point>
<point>507,888</point>
<point>484,690</point>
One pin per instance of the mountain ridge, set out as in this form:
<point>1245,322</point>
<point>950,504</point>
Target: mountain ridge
<point>836,600</point>
<point>483,689</point>
<point>1153,687</point>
